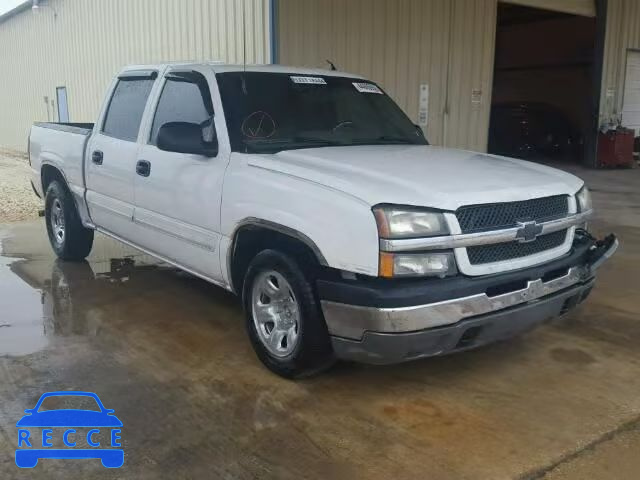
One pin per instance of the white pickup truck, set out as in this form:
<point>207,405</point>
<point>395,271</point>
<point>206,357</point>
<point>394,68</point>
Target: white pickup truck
<point>311,195</point>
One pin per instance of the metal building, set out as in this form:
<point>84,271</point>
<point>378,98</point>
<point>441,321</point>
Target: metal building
<point>446,62</point>
<point>71,49</point>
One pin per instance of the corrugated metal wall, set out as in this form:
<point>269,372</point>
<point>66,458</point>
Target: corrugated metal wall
<point>472,53</point>
<point>81,44</point>
<point>623,33</point>
<point>401,44</point>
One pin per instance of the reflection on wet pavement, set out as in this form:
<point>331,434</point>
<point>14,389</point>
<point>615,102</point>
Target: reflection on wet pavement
<point>45,299</point>
<point>21,322</point>
<point>169,353</point>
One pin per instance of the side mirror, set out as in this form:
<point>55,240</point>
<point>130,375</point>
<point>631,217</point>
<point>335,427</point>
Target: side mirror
<point>183,137</point>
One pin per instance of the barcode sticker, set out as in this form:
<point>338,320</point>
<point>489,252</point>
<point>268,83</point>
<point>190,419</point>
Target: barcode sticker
<point>309,80</point>
<point>367,88</point>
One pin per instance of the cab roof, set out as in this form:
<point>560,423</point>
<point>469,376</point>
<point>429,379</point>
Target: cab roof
<point>220,67</point>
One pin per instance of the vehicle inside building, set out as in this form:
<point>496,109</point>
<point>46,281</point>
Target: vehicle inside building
<point>543,88</point>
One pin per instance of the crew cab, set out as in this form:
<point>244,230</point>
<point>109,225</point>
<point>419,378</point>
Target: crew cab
<point>311,195</point>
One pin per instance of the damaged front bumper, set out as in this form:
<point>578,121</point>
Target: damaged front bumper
<point>385,322</point>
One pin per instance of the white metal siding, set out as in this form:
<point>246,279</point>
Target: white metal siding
<point>402,44</point>
<point>82,44</point>
<point>471,61</point>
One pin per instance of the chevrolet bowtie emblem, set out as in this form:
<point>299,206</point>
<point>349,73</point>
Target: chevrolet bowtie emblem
<point>528,231</point>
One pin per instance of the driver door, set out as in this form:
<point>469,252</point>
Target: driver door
<point>178,195</point>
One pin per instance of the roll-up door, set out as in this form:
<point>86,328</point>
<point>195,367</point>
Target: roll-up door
<point>631,102</point>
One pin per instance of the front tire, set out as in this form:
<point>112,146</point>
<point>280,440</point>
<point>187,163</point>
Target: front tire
<point>283,319</point>
<point>69,239</point>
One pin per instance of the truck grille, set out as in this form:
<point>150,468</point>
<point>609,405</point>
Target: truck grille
<point>500,252</point>
<point>476,218</point>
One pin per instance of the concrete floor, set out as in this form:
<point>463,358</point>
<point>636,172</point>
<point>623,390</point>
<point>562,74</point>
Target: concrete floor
<point>168,352</point>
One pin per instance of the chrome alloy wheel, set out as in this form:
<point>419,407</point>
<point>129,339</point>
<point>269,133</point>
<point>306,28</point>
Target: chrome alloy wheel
<point>276,314</point>
<point>57,221</point>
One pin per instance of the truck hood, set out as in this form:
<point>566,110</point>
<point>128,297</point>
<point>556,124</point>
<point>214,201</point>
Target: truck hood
<point>420,175</point>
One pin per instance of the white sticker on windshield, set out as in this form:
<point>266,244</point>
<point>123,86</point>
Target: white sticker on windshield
<point>367,88</point>
<point>309,80</point>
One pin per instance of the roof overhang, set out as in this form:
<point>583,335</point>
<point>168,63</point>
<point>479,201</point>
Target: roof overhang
<point>16,10</point>
<point>586,8</point>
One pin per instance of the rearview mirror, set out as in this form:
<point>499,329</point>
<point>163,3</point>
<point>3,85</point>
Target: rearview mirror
<point>183,137</point>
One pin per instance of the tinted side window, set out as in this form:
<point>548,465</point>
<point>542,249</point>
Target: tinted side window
<point>182,101</point>
<point>126,108</point>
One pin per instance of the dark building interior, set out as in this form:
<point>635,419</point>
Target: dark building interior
<point>543,84</point>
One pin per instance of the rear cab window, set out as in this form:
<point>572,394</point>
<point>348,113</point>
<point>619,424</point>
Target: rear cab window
<point>127,104</point>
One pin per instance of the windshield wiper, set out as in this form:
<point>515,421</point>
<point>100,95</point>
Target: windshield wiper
<point>326,141</point>
<point>280,144</point>
<point>383,140</point>
<point>395,139</point>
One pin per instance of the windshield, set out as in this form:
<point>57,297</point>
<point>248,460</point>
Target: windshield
<point>271,112</point>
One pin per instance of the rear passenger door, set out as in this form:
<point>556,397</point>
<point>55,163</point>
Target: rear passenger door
<point>112,151</point>
<point>178,197</point>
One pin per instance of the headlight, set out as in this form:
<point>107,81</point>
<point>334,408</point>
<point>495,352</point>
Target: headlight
<point>583,199</point>
<point>434,264</point>
<point>406,222</point>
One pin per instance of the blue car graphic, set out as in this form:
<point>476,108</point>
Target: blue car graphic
<point>68,418</point>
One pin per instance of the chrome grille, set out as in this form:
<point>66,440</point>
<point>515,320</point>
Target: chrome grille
<point>500,252</point>
<point>494,216</point>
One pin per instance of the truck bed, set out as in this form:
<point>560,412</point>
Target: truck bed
<point>60,145</point>
<point>81,128</point>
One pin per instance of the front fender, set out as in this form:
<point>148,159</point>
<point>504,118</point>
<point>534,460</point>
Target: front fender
<point>341,227</point>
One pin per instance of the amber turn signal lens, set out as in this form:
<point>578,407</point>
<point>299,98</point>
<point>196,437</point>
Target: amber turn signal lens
<point>383,224</point>
<point>385,268</point>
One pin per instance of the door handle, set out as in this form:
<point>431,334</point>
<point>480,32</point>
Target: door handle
<point>143,168</point>
<point>97,157</point>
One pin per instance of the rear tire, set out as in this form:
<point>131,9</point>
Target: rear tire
<point>285,324</point>
<point>69,239</point>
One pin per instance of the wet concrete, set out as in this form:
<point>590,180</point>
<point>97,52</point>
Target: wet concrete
<point>168,352</point>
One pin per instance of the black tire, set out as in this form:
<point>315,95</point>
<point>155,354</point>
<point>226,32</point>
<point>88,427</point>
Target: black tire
<point>77,240</point>
<point>312,353</point>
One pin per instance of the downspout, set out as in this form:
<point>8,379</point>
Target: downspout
<point>273,27</point>
<point>447,106</point>
<point>591,143</point>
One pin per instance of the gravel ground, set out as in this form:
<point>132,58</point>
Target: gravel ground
<point>17,200</point>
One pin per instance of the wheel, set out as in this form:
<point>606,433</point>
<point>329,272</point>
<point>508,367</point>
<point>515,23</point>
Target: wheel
<point>26,459</point>
<point>69,239</point>
<point>283,317</point>
<point>113,459</point>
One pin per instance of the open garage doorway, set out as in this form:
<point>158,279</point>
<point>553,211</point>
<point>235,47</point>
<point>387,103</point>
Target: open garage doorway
<point>543,87</point>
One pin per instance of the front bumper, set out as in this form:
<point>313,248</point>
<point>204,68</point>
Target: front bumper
<point>390,323</point>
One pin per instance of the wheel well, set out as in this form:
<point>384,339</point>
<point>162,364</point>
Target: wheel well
<point>48,174</point>
<point>251,240</point>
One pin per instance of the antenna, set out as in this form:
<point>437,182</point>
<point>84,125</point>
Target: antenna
<point>333,67</point>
